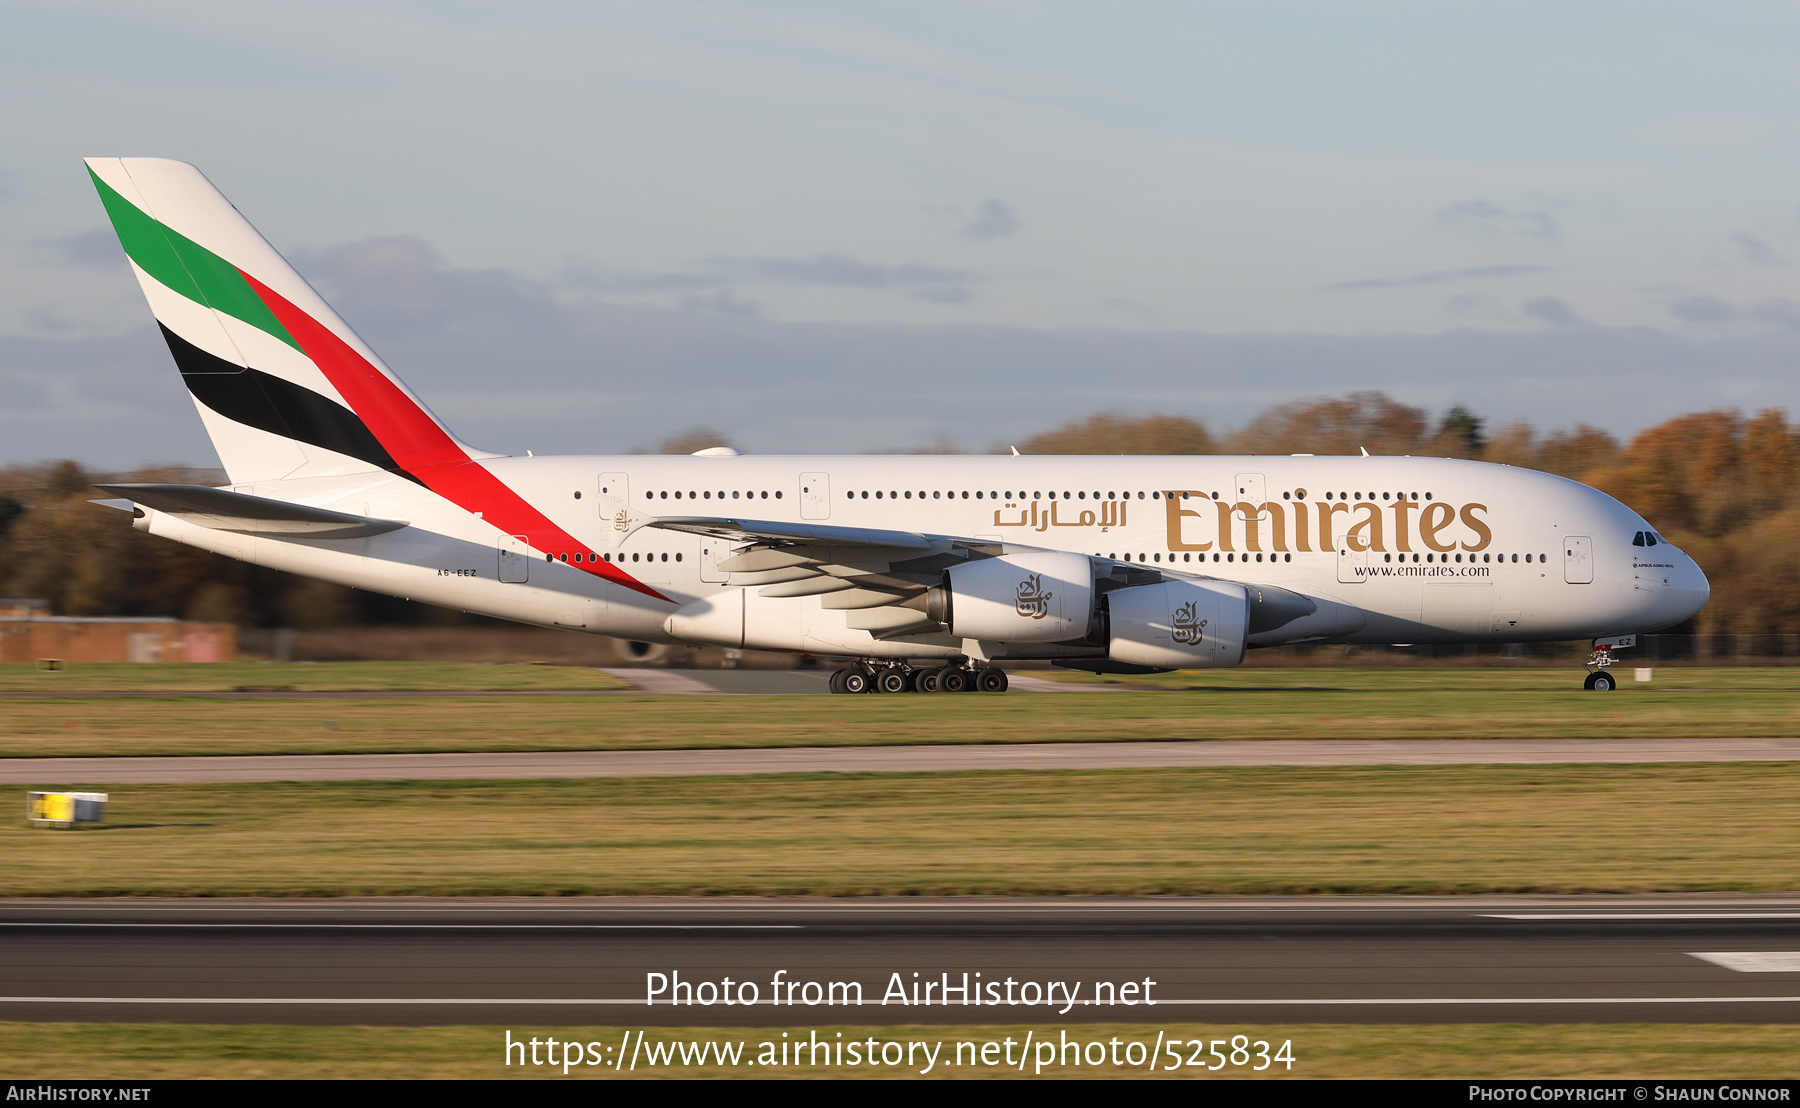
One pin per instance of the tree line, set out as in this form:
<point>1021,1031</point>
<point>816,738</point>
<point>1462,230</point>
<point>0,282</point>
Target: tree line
<point>1721,485</point>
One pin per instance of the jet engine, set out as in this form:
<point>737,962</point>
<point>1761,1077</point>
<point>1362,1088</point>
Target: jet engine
<point>1030,596</point>
<point>1179,624</point>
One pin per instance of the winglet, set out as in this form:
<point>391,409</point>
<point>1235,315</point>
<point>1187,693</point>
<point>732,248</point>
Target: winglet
<point>1365,451</point>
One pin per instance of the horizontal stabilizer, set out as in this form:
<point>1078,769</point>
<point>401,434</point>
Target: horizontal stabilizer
<point>223,510</point>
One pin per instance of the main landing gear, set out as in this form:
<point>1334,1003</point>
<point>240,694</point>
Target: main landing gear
<point>872,677</point>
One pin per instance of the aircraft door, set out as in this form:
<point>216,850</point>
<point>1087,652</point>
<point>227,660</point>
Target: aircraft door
<point>617,486</point>
<point>712,552</point>
<point>1352,565</point>
<point>515,558</point>
<point>815,496</point>
<point>1251,490</point>
<point>1578,560</point>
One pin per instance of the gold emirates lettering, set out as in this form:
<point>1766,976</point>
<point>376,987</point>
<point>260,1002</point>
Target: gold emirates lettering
<point>1363,526</point>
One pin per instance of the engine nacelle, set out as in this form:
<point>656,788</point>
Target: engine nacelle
<point>1031,596</point>
<point>1179,624</point>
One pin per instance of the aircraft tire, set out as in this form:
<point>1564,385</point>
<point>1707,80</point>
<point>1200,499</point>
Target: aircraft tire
<point>953,679</point>
<point>858,681</point>
<point>892,680</point>
<point>991,679</point>
<point>927,680</point>
<point>836,684</point>
<point>1601,681</point>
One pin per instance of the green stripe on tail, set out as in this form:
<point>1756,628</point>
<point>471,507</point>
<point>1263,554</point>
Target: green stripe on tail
<point>185,266</point>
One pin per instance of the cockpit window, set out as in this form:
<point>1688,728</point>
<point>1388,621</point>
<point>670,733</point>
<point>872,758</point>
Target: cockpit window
<point>1637,539</point>
<point>1651,538</point>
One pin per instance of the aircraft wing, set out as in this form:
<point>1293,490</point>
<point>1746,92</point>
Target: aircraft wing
<point>224,510</point>
<point>878,577</point>
<point>765,531</point>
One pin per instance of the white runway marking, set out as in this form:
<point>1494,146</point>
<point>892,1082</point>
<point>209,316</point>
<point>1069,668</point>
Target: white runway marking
<point>1753,961</point>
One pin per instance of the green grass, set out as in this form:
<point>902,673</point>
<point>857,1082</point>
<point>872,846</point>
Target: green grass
<point>301,677</point>
<point>1245,704</point>
<point>1438,829</point>
<point>1424,678</point>
<point>1520,1052</point>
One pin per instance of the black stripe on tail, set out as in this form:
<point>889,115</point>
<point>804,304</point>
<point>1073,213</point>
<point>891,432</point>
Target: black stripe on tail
<point>269,403</point>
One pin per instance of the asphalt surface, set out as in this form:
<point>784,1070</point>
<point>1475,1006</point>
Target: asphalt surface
<point>531,963</point>
<point>885,759</point>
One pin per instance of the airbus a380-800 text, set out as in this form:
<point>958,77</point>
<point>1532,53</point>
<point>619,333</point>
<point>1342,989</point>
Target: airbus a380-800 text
<point>930,572</point>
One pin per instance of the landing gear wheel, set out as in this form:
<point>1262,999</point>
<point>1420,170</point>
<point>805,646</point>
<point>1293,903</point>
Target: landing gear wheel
<point>857,681</point>
<point>1600,681</point>
<point>836,684</point>
<point>927,679</point>
<point>991,680</point>
<point>892,680</point>
<point>953,679</point>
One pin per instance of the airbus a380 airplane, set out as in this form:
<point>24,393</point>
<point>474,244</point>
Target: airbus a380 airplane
<point>929,569</point>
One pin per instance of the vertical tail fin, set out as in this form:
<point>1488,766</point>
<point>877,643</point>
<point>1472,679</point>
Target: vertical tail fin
<point>284,386</point>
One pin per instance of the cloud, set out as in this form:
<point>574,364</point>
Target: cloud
<point>1437,277</point>
<point>993,219</point>
<point>513,364</point>
<point>1708,311</point>
<point>1552,312</point>
<point>1757,252</point>
<point>833,269</point>
<point>1781,312</point>
<point>724,300</point>
<point>1484,216</point>
<point>838,270</point>
<point>99,246</point>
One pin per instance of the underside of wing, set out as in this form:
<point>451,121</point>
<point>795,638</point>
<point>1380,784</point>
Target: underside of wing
<point>224,510</point>
<point>881,580</point>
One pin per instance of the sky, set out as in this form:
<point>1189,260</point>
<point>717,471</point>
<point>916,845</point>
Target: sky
<point>583,227</point>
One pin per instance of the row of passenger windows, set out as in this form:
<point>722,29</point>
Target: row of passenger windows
<point>1296,494</point>
<point>1289,557</point>
<point>1189,557</point>
<point>709,494</point>
<point>592,557</point>
<point>1459,557</point>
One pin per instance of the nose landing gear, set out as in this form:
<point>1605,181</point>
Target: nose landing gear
<point>1598,680</point>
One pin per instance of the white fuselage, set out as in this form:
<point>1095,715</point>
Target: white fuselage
<point>1429,550</point>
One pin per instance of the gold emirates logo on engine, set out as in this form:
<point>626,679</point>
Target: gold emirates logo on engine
<point>1185,625</point>
<point>1034,602</point>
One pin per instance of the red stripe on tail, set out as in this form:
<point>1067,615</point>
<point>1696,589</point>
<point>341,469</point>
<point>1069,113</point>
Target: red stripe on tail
<point>423,448</point>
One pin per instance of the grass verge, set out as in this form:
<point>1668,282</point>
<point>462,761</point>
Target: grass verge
<point>1405,829</point>
<point>146,1051</point>
<point>1251,704</point>
<point>301,677</point>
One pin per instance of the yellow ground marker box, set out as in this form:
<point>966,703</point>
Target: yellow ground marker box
<point>64,809</point>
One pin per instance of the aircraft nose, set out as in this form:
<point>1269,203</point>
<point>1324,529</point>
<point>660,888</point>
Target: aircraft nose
<point>1698,588</point>
<point>1687,592</point>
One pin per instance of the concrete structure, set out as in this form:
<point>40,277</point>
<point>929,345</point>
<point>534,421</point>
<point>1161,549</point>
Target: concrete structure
<point>28,633</point>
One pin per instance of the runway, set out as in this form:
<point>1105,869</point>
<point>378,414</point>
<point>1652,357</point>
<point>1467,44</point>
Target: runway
<point>887,759</point>
<point>525,963</point>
